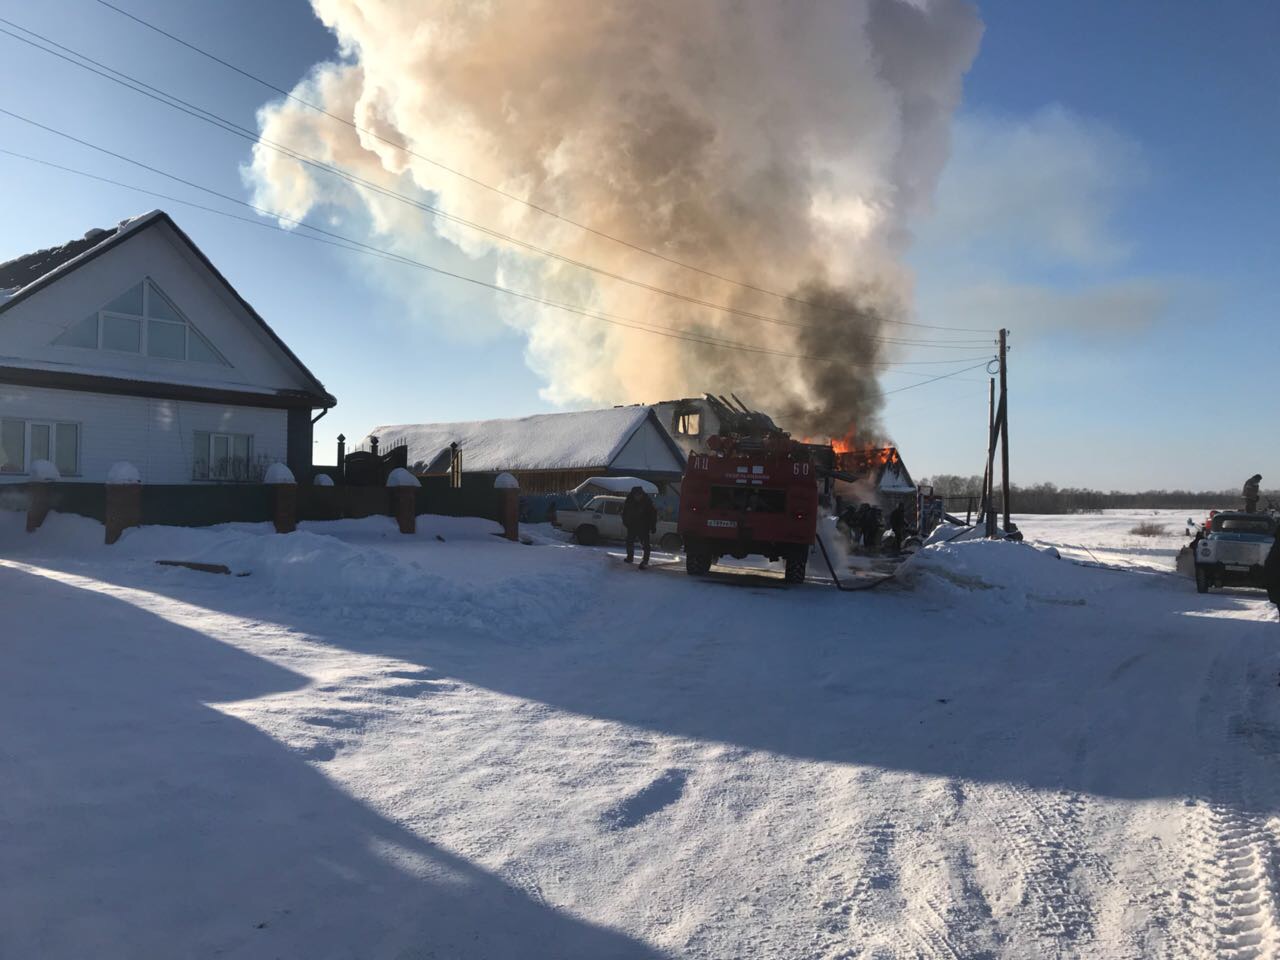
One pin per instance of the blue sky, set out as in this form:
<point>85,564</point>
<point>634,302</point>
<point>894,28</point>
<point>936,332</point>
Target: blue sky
<point>1112,197</point>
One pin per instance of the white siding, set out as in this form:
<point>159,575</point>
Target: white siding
<point>29,327</point>
<point>153,435</point>
<point>647,451</point>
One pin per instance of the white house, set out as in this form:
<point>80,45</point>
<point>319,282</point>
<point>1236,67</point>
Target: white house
<point>549,452</point>
<point>130,345</point>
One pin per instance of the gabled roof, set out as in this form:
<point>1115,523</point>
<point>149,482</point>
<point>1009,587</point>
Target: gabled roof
<point>548,441</point>
<point>28,274</point>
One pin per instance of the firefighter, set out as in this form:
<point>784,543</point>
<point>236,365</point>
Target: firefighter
<point>640,517</point>
<point>1251,487</point>
<point>898,521</point>
<point>872,527</point>
<point>1271,572</point>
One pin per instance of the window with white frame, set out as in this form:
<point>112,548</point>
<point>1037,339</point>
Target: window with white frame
<point>23,442</point>
<point>689,424</point>
<point>223,456</point>
<point>142,320</point>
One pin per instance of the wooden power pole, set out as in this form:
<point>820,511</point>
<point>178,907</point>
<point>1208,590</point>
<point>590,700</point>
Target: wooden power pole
<point>988,484</point>
<point>1004,422</point>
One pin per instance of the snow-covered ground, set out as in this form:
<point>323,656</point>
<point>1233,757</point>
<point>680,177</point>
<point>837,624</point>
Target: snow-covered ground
<point>450,745</point>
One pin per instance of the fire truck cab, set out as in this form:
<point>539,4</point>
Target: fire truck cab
<point>750,495</point>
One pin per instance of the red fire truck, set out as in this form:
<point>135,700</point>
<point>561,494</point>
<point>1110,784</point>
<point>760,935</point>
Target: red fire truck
<point>750,495</point>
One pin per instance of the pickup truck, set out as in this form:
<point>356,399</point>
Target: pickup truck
<point>1233,551</point>
<point>601,519</point>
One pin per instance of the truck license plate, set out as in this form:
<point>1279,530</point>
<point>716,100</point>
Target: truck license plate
<point>1238,567</point>
<point>722,523</point>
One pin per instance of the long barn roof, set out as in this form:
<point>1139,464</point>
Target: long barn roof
<point>549,441</point>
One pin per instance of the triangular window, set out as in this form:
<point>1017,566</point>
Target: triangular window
<point>83,334</point>
<point>142,320</point>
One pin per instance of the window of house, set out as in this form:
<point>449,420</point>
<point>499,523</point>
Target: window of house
<point>223,456</point>
<point>22,442</point>
<point>689,424</point>
<point>142,320</point>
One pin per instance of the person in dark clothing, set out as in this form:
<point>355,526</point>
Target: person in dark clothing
<point>640,517</point>
<point>872,527</point>
<point>1251,488</point>
<point>1271,570</point>
<point>898,522</point>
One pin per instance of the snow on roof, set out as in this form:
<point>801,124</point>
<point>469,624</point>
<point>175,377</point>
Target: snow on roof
<point>545,441</point>
<point>26,269</point>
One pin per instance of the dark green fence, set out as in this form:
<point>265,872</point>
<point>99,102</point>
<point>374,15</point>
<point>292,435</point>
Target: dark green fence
<point>85,499</point>
<point>202,505</point>
<point>475,498</point>
<point>189,505</point>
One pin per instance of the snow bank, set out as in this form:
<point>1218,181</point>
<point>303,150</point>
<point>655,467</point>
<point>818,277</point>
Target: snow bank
<point>123,472</point>
<point>1013,572</point>
<point>363,568</point>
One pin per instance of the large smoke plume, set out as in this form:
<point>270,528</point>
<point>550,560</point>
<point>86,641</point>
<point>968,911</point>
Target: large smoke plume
<point>785,145</point>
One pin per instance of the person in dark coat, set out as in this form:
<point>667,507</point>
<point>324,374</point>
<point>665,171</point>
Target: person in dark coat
<point>898,522</point>
<point>872,527</point>
<point>1271,570</point>
<point>1251,489</point>
<point>640,517</point>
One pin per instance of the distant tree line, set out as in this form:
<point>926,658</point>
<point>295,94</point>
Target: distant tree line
<point>1050,498</point>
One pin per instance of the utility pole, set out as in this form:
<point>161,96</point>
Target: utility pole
<point>1004,422</point>
<point>988,478</point>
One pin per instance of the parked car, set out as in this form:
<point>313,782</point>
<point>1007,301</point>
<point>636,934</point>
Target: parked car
<point>1234,550</point>
<point>601,519</point>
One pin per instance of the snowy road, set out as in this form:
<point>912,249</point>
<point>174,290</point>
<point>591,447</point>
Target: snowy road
<point>377,746</point>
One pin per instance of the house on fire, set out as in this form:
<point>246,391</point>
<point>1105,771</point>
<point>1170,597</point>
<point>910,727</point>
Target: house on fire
<point>129,345</point>
<point>549,452</point>
<point>881,473</point>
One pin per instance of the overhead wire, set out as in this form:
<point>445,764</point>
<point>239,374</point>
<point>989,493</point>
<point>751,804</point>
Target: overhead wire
<point>203,114</point>
<point>364,131</point>
<point>343,242</point>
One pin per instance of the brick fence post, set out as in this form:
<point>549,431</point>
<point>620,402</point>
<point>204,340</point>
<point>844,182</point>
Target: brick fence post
<point>43,475</point>
<point>404,498</point>
<point>284,497</point>
<point>508,488</point>
<point>124,500</point>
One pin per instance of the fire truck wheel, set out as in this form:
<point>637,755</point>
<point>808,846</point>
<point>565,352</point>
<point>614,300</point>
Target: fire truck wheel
<point>1202,580</point>
<point>697,563</point>
<point>796,564</point>
<point>587,535</point>
<point>670,542</point>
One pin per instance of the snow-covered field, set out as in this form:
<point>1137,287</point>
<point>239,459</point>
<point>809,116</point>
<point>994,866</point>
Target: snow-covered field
<point>449,745</point>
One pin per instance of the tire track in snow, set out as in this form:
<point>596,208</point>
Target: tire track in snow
<point>946,904</point>
<point>1044,834</point>
<point>1231,886</point>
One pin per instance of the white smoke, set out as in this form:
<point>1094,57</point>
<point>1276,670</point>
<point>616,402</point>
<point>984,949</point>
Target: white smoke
<point>782,144</point>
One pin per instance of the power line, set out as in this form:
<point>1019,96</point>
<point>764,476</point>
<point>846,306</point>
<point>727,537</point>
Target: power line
<point>945,376</point>
<point>200,113</point>
<point>252,137</point>
<point>498,190</point>
<point>356,246</point>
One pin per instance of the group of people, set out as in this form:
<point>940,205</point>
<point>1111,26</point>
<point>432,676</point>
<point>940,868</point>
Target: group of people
<point>865,525</point>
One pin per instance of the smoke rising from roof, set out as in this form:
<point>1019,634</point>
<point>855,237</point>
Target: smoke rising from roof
<point>783,145</point>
